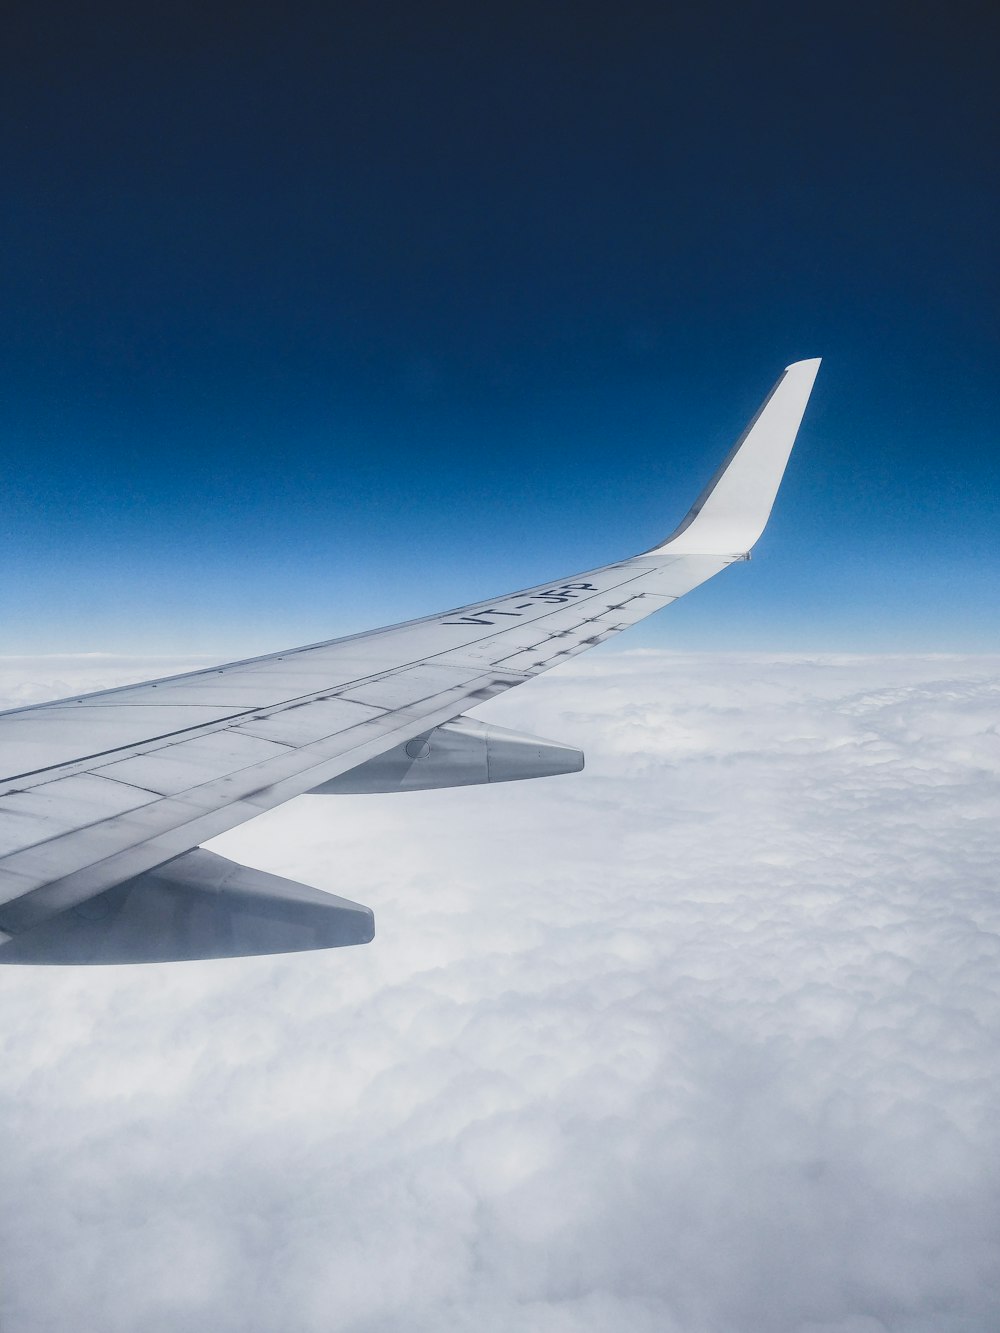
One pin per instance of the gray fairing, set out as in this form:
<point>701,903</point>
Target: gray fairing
<point>198,906</point>
<point>462,753</point>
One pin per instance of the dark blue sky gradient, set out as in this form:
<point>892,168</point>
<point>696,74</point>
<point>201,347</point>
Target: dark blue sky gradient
<point>320,316</point>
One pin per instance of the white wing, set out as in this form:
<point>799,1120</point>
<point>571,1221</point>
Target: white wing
<point>106,797</point>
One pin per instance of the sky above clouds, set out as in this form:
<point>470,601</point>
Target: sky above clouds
<point>295,299</point>
<point>702,1039</point>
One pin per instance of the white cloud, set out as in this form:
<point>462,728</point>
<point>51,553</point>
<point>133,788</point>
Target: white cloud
<point>31,680</point>
<point>702,1040</point>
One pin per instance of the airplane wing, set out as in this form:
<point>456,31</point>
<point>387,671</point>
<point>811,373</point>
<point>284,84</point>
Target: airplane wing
<point>106,797</point>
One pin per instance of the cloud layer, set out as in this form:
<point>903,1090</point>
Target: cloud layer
<point>702,1040</point>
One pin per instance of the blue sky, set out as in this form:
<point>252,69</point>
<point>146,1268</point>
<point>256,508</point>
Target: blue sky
<point>319,320</point>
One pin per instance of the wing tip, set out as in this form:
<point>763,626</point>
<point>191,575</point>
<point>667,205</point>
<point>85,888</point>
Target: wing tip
<point>812,363</point>
<point>731,513</point>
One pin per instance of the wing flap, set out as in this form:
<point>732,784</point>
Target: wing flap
<point>64,805</point>
<point>187,765</point>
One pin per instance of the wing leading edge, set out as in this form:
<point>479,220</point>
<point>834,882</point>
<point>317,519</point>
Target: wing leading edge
<point>115,791</point>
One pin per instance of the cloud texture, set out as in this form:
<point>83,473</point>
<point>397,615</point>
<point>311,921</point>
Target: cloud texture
<point>702,1040</point>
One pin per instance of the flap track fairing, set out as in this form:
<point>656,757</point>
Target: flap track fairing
<point>462,753</point>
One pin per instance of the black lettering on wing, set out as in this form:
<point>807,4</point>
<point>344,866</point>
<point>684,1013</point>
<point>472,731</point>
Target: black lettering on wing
<point>480,617</point>
<point>565,592</point>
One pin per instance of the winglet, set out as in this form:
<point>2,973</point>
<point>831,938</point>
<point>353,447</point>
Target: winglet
<point>732,510</point>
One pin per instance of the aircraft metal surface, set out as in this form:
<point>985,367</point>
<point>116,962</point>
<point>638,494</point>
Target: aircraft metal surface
<point>105,798</point>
